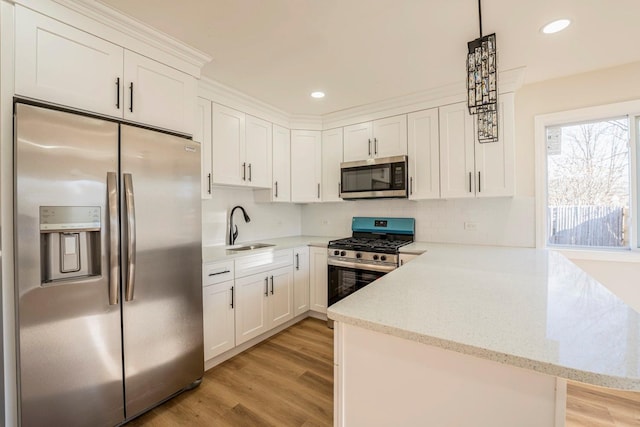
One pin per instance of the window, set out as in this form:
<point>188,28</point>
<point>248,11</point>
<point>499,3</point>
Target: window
<point>588,183</point>
<point>586,188</point>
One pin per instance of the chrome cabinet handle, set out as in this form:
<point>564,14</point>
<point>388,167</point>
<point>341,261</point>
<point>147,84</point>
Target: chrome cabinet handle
<point>411,185</point>
<point>479,187</point>
<point>219,272</point>
<point>130,215</point>
<point>339,189</point>
<point>249,172</point>
<point>232,297</point>
<point>369,146</point>
<point>276,189</point>
<point>209,183</point>
<point>266,286</point>
<point>131,97</point>
<point>469,182</point>
<point>297,261</point>
<point>244,171</point>
<point>271,285</point>
<point>401,262</point>
<point>375,146</point>
<point>114,240</point>
<point>118,93</point>
<point>318,190</point>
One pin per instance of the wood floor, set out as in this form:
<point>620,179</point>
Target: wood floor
<point>287,380</point>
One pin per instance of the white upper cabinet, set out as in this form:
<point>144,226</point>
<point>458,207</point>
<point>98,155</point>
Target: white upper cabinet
<point>60,64</point>
<point>306,166</point>
<point>331,159</point>
<point>280,190</point>
<point>258,140</point>
<point>380,138</point>
<point>240,148</point>
<point>495,161</point>
<point>471,169</point>
<point>158,95</point>
<point>457,158</point>
<point>424,155</point>
<point>202,134</point>
<point>227,145</point>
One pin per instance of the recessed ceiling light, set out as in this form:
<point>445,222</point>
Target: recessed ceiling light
<point>317,94</point>
<point>555,26</point>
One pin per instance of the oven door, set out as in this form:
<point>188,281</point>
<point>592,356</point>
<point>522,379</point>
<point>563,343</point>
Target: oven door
<point>345,278</point>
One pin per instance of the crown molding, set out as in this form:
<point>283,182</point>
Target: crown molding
<point>230,97</point>
<point>508,81</point>
<point>123,30</point>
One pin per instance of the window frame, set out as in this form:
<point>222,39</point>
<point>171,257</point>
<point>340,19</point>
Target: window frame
<point>600,112</point>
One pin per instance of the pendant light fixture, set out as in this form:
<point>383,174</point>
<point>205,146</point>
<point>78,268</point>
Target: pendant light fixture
<point>482,83</point>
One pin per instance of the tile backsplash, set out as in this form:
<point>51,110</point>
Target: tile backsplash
<point>268,220</point>
<point>498,221</point>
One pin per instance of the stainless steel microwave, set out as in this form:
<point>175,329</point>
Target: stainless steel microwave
<point>374,178</point>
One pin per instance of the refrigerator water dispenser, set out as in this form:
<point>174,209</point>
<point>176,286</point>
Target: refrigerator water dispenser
<point>69,242</point>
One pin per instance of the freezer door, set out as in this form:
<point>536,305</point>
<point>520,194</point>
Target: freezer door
<point>70,358</point>
<point>161,270</point>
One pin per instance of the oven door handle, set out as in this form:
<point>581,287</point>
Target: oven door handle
<point>360,266</point>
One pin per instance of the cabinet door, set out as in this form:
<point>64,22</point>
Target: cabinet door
<point>306,166</point>
<point>457,169</point>
<point>424,155</point>
<point>331,159</point>
<point>358,142</point>
<point>280,296</point>
<point>158,95</point>
<point>251,309</point>
<point>318,279</point>
<point>60,64</point>
<point>390,136</point>
<point>202,134</point>
<point>219,319</point>
<point>300,280</point>
<point>258,141</point>
<point>281,164</point>
<point>405,258</point>
<point>495,170</point>
<point>227,145</point>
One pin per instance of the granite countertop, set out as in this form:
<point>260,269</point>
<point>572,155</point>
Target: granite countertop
<point>221,253</point>
<point>528,308</point>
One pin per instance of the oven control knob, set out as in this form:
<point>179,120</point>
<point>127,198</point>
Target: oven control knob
<point>336,253</point>
<point>343,253</point>
<point>375,257</point>
<point>383,258</point>
<point>358,255</point>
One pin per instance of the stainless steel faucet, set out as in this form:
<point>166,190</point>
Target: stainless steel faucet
<point>233,229</point>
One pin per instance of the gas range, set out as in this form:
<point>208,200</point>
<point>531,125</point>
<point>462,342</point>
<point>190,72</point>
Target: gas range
<point>374,245</point>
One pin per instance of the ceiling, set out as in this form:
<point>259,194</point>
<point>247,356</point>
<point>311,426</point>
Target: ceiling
<point>362,51</point>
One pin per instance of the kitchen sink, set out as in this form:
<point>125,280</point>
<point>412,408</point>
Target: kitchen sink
<point>250,247</point>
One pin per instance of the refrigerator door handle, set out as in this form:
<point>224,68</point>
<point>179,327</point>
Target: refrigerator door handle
<point>114,243</point>
<point>130,214</point>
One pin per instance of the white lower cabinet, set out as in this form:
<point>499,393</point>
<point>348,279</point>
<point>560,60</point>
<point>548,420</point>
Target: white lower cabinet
<point>219,318</point>
<point>405,258</point>
<point>318,276</point>
<point>218,312</point>
<point>300,280</point>
<point>264,293</point>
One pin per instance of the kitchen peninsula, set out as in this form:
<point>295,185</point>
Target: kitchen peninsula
<point>479,335</point>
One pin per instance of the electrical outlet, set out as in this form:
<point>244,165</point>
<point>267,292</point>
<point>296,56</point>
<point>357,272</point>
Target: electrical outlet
<point>325,222</point>
<point>471,226</point>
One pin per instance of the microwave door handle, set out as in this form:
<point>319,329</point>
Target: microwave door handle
<point>114,241</point>
<point>130,215</point>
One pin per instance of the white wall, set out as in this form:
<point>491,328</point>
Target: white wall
<point>268,220</point>
<point>504,221</point>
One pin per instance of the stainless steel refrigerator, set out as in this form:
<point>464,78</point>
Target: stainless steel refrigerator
<point>108,264</point>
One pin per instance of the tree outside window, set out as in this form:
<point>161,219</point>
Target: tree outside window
<point>588,183</point>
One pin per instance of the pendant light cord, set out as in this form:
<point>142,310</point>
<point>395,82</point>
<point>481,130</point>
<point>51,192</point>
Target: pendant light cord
<point>480,17</point>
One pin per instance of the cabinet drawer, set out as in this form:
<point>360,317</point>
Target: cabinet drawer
<point>262,262</point>
<point>217,272</point>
